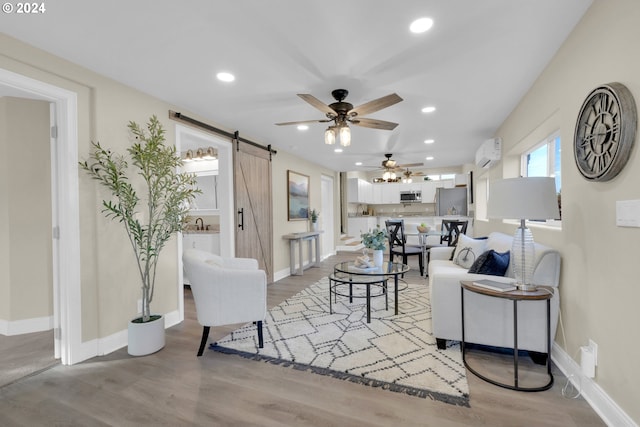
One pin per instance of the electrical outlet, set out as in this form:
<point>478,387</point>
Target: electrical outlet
<point>140,306</point>
<point>594,350</point>
<point>587,364</point>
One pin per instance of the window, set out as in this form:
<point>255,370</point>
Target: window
<point>544,160</point>
<point>441,177</point>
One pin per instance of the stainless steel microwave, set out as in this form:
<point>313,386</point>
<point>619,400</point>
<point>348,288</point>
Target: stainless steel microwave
<point>411,197</point>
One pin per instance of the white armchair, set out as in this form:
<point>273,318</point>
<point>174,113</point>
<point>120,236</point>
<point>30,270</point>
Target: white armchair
<point>226,291</point>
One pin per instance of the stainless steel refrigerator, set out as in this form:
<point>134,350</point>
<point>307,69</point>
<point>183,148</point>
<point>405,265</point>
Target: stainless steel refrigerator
<point>451,201</point>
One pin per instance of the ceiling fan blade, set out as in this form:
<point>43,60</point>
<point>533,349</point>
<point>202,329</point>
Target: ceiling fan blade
<point>375,105</point>
<point>317,103</point>
<point>410,165</point>
<point>302,122</point>
<point>374,124</point>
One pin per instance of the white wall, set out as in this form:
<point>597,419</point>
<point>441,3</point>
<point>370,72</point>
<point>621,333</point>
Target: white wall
<point>109,279</point>
<point>26,280</point>
<point>282,162</point>
<point>599,280</point>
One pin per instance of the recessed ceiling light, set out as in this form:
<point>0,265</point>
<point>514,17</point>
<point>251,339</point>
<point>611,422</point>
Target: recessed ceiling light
<point>358,163</point>
<point>429,158</point>
<point>429,141</point>
<point>303,127</point>
<point>225,77</point>
<point>421,25</point>
<point>338,150</point>
<point>429,109</point>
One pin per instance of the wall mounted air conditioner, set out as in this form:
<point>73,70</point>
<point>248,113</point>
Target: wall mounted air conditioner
<point>489,153</point>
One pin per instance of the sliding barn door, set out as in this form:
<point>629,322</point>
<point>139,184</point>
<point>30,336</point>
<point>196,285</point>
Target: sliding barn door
<point>254,222</point>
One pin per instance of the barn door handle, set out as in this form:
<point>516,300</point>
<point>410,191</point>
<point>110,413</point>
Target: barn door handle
<point>241,218</point>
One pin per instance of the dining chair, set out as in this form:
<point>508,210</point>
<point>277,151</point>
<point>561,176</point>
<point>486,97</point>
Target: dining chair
<point>451,231</point>
<point>398,244</point>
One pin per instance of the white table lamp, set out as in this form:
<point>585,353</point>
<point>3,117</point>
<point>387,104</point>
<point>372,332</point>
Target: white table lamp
<point>531,198</point>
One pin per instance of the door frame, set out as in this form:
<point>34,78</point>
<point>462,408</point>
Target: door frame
<point>225,196</point>
<point>65,205</point>
<point>328,216</point>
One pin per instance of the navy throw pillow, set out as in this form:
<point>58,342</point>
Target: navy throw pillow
<point>492,263</point>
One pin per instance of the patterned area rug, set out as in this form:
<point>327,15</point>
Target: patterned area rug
<point>396,353</point>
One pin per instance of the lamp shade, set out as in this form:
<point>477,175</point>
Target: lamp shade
<point>345,136</point>
<point>330,136</point>
<point>531,198</point>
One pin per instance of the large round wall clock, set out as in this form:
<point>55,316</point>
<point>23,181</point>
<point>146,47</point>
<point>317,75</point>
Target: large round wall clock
<point>605,132</point>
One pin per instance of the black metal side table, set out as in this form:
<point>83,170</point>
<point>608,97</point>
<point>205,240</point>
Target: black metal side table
<point>543,293</point>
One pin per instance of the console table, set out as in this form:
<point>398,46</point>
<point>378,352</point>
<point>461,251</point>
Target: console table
<point>542,293</point>
<point>296,239</point>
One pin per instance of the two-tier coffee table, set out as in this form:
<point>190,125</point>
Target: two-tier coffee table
<point>380,274</point>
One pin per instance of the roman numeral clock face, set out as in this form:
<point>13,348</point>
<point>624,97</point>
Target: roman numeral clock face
<point>605,132</point>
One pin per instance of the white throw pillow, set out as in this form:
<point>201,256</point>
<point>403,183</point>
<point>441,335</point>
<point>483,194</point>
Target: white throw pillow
<point>468,249</point>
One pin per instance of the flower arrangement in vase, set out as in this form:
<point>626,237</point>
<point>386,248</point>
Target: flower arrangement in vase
<point>375,241</point>
<point>313,216</point>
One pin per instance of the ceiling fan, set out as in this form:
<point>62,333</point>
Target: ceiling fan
<point>390,167</point>
<point>409,173</point>
<point>342,113</point>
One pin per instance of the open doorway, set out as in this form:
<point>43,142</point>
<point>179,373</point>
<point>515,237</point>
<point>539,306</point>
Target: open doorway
<point>66,318</point>
<point>327,218</point>
<point>220,216</point>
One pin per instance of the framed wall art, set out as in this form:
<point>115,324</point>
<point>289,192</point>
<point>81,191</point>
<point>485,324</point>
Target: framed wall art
<point>297,196</point>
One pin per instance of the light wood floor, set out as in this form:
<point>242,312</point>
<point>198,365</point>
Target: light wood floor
<point>175,388</point>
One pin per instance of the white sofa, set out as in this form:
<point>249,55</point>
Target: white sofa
<point>489,320</point>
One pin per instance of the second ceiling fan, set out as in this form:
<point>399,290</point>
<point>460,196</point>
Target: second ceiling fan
<point>342,113</point>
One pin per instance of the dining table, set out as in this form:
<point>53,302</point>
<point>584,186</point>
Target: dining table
<point>423,243</point>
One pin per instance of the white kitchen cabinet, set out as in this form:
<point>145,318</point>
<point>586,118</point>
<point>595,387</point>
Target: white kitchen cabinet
<point>359,191</point>
<point>461,180</point>
<point>428,191</point>
<point>390,193</point>
<point>209,242</point>
<point>376,190</point>
<point>446,183</point>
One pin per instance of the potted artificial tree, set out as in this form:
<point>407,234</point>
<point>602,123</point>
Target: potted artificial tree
<point>151,188</point>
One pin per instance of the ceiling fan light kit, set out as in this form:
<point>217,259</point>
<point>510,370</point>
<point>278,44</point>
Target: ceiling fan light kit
<point>390,167</point>
<point>342,113</point>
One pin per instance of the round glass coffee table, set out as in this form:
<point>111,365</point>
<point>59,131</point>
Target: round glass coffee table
<point>386,270</point>
<point>343,284</point>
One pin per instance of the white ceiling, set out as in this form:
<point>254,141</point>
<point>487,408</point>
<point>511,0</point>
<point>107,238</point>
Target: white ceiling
<point>474,65</point>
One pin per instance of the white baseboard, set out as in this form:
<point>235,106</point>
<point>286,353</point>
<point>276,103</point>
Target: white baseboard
<point>599,400</point>
<point>279,275</point>
<point>171,319</point>
<point>118,340</point>
<point>286,272</point>
<point>26,326</point>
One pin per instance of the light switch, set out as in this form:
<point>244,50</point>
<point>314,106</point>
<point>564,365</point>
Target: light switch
<point>628,213</point>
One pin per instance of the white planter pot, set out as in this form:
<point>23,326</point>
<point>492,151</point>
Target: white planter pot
<point>378,257</point>
<point>146,338</point>
<point>314,226</point>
